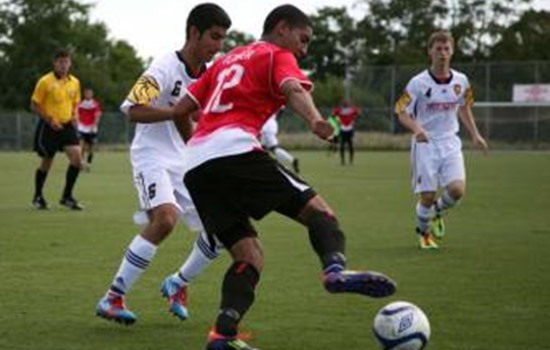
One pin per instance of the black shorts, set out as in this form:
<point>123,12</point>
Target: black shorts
<point>48,141</point>
<point>88,137</point>
<point>228,191</point>
<point>346,136</point>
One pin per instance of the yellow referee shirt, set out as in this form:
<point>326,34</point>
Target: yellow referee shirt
<point>57,97</point>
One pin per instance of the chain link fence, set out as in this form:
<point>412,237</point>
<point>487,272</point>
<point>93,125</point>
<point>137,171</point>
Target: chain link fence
<point>375,89</point>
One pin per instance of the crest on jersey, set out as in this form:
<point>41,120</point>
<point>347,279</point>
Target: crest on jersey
<point>457,89</point>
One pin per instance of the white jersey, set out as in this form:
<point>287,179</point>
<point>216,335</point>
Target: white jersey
<point>433,104</point>
<point>162,84</point>
<point>268,136</point>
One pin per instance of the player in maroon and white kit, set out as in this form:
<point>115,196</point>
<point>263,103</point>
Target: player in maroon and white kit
<point>232,179</point>
<point>89,112</point>
<point>346,114</point>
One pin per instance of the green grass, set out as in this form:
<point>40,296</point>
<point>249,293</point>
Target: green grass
<point>487,288</point>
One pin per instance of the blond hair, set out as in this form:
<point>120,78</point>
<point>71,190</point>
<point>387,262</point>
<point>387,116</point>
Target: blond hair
<point>441,35</point>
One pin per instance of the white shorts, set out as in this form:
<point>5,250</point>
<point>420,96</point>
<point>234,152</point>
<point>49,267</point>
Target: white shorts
<point>156,186</point>
<point>269,133</point>
<point>436,164</point>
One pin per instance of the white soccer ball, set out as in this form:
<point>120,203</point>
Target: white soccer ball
<point>401,326</point>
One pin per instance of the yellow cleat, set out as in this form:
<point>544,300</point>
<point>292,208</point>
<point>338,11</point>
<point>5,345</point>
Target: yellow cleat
<point>426,241</point>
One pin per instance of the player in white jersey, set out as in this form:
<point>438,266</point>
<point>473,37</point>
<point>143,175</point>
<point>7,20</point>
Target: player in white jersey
<point>429,108</point>
<point>269,140</point>
<point>156,155</point>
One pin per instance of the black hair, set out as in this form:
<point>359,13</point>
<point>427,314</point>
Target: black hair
<point>207,15</point>
<point>292,15</point>
<point>61,53</point>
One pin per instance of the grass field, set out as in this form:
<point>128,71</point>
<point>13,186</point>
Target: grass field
<point>488,288</point>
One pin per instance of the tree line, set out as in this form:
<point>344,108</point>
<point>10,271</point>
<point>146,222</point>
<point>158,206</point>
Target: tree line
<point>389,32</point>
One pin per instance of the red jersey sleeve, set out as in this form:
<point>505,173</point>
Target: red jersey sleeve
<point>285,67</point>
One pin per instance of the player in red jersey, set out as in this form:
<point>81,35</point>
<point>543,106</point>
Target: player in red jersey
<point>232,179</point>
<point>346,114</point>
<point>89,112</point>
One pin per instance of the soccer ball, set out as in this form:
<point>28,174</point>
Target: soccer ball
<point>401,326</point>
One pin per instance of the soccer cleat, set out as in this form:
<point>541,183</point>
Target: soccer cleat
<point>426,241</point>
<point>39,203</point>
<point>219,342</point>
<point>111,307</point>
<point>70,203</point>
<point>437,226</point>
<point>177,297</point>
<point>370,283</point>
<point>296,165</point>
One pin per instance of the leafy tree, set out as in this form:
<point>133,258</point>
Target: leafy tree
<point>236,38</point>
<point>32,30</point>
<point>526,39</point>
<point>334,49</point>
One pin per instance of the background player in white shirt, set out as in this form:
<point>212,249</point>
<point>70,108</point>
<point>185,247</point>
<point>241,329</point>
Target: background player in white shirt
<point>429,108</point>
<point>269,140</point>
<point>156,156</point>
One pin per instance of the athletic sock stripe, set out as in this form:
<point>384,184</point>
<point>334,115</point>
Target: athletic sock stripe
<point>205,249</point>
<point>136,260</point>
<point>183,278</point>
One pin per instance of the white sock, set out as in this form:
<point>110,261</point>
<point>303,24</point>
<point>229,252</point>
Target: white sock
<point>201,256</point>
<point>282,155</point>
<point>423,216</point>
<point>445,201</point>
<point>139,254</point>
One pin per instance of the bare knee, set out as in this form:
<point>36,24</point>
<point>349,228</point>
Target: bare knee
<point>427,199</point>
<point>456,190</point>
<point>248,250</point>
<point>163,219</point>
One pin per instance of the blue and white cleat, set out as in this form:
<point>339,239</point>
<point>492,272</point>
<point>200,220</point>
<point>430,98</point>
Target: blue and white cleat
<point>370,283</point>
<point>177,297</point>
<point>111,307</point>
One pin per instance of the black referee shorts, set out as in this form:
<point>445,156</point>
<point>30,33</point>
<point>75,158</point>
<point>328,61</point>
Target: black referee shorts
<point>229,191</point>
<point>48,141</point>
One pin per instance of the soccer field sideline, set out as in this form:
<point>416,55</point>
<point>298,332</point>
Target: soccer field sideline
<point>487,288</point>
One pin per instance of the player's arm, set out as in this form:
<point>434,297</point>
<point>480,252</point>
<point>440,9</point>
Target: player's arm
<point>300,100</point>
<point>406,119</point>
<point>184,114</point>
<point>467,117</point>
<point>139,107</point>
<point>37,108</point>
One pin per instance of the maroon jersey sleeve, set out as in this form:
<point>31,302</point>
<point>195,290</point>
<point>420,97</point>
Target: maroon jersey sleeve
<point>285,67</point>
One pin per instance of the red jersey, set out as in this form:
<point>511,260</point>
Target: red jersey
<point>347,116</point>
<point>243,88</point>
<point>89,112</point>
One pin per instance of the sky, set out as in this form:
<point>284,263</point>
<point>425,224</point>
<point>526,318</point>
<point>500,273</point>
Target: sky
<point>155,27</point>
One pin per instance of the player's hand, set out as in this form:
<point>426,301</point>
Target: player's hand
<point>55,125</point>
<point>421,136</point>
<point>322,129</point>
<point>480,143</point>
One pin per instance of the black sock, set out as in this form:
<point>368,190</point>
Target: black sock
<point>39,180</point>
<point>328,240</point>
<point>90,157</point>
<point>70,179</point>
<point>237,296</point>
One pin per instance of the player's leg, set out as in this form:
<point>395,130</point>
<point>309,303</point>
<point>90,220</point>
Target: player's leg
<point>156,196</point>
<point>343,141</point>
<point>45,145</point>
<point>73,153</point>
<point>205,250</point>
<point>453,176</point>
<point>328,242</point>
<point>424,163</point>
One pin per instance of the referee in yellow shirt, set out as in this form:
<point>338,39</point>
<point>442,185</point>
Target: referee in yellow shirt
<point>54,99</point>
